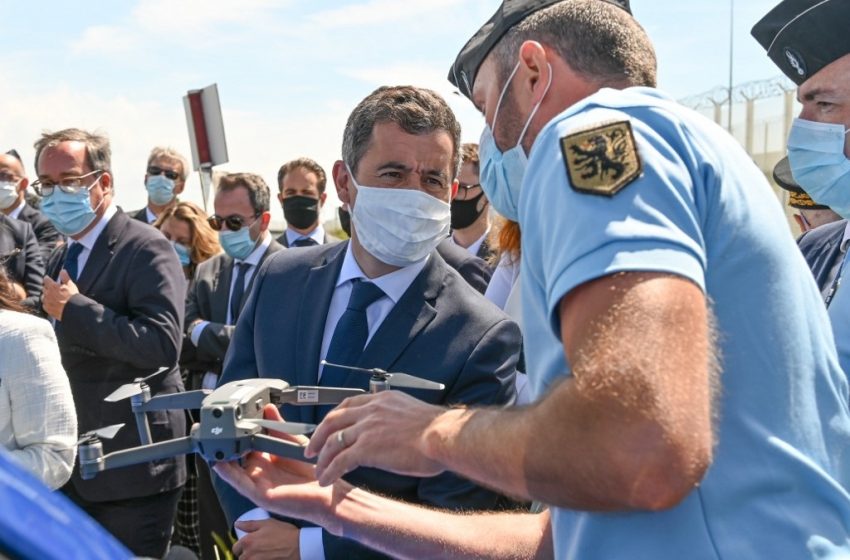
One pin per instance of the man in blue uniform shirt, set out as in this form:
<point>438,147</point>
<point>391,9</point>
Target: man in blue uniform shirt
<point>655,255</point>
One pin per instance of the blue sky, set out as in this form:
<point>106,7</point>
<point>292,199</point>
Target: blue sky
<point>288,71</point>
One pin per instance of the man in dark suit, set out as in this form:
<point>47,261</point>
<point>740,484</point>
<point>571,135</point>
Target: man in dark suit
<point>386,299</point>
<point>470,207</point>
<point>825,235</point>
<point>115,293</point>
<point>20,254</point>
<point>213,305</point>
<point>13,188</point>
<point>165,179</point>
<point>301,184</point>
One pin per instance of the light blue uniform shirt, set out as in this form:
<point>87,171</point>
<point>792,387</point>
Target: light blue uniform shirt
<point>839,315</point>
<point>702,210</point>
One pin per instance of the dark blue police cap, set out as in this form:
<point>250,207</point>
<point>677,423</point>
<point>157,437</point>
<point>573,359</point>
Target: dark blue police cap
<point>797,197</point>
<point>510,13</point>
<point>803,36</point>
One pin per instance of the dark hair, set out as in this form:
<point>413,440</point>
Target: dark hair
<point>258,190</point>
<point>8,298</point>
<point>415,110</point>
<point>469,154</point>
<point>303,163</point>
<point>98,152</point>
<point>600,41</point>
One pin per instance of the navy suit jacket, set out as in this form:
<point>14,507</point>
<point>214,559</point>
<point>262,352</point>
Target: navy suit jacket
<point>125,323</point>
<point>441,329</point>
<point>821,248</point>
<point>20,254</point>
<point>474,270</point>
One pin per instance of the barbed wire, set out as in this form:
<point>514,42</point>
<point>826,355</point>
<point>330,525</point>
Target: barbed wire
<point>748,91</point>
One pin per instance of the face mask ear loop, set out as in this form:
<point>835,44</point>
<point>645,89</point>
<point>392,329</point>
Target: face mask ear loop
<point>536,107</point>
<point>502,96</point>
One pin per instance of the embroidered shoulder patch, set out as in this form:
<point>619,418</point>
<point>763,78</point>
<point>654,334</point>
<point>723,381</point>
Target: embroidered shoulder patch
<point>603,159</point>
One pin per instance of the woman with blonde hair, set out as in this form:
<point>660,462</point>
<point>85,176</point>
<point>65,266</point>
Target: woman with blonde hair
<point>38,422</point>
<point>194,241</point>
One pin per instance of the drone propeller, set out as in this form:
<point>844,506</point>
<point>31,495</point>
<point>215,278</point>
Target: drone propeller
<point>132,389</point>
<point>107,432</point>
<point>291,428</point>
<point>394,379</point>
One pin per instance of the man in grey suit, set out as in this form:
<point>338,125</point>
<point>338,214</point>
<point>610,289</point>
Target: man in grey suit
<point>115,294</point>
<point>216,296</point>
<point>386,299</point>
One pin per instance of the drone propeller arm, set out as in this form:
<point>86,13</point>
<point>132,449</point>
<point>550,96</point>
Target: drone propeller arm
<point>148,453</point>
<point>173,401</point>
<point>279,447</point>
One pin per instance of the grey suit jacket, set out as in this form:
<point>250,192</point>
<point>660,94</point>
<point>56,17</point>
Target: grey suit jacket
<point>474,270</point>
<point>207,300</point>
<point>441,329</point>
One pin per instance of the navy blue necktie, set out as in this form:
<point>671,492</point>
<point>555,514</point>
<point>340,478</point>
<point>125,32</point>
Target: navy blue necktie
<point>71,258</point>
<point>304,242</point>
<point>349,338</point>
<point>238,290</point>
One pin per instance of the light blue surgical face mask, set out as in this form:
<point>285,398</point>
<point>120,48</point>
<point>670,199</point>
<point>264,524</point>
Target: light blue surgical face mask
<point>502,172</point>
<point>160,189</point>
<point>182,253</point>
<point>70,213</point>
<point>818,163</point>
<point>237,244</point>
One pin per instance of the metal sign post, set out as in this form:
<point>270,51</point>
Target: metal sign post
<point>206,136</point>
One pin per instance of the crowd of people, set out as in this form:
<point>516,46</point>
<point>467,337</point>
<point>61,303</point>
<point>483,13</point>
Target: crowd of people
<point>637,361</point>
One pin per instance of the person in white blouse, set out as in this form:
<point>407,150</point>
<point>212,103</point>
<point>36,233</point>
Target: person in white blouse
<point>38,422</point>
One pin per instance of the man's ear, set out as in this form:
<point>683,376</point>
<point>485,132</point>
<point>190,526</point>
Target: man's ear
<point>322,198</point>
<point>533,61</point>
<point>280,197</point>
<point>455,186</point>
<point>342,181</point>
<point>22,186</point>
<point>106,183</point>
<point>265,220</point>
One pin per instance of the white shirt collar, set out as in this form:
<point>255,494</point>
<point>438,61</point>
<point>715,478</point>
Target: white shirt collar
<point>258,252</point>
<point>16,211</point>
<point>89,239</point>
<point>476,245</point>
<point>149,216</point>
<point>317,235</point>
<point>393,284</point>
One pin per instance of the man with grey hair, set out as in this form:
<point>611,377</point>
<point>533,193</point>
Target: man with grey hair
<point>386,299</point>
<point>115,294</point>
<point>648,239</point>
<point>165,179</point>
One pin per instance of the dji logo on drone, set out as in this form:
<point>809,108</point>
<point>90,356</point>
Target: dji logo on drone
<point>217,430</point>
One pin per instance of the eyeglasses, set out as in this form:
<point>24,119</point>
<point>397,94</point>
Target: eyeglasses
<point>233,223</point>
<point>70,185</point>
<point>154,170</point>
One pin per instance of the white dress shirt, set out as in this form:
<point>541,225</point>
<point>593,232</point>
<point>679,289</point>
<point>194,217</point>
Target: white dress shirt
<point>16,211</point>
<point>475,245</point>
<point>393,285</point>
<point>317,235</point>
<point>149,216</point>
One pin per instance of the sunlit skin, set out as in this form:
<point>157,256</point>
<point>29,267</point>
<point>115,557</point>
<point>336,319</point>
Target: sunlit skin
<point>397,159</point>
<point>12,170</point>
<point>167,164</point>
<point>301,182</point>
<point>469,235</point>
<point>826,96</point>
<point>68,159</point>
<point>177,231</point>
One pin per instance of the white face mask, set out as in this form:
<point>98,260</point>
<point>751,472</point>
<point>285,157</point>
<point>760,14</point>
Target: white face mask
<point>8,194</point>
<point>398,226</point>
